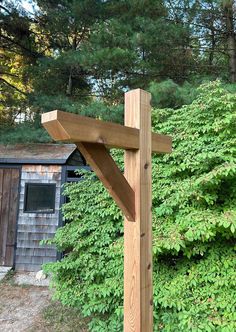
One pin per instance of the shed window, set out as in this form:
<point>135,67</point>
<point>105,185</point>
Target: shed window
<point>40,198</point>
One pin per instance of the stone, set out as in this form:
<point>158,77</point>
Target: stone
<point>40,275</point>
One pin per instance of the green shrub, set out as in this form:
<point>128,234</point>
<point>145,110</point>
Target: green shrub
<point>194,222</point>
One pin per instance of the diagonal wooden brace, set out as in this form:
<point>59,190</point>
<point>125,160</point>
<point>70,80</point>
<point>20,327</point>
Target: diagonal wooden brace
<point>108,172</point>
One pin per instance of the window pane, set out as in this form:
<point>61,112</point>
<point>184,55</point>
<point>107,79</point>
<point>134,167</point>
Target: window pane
<point>40,198</point>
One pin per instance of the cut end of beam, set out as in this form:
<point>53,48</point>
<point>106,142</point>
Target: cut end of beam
<point>50,122</point>
<point>49,116</point>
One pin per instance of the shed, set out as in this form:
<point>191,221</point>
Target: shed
<point>31,179</point>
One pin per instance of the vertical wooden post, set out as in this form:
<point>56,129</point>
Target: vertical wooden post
<point>138,293</point>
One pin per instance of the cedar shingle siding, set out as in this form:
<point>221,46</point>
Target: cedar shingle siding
<point>34,227</point>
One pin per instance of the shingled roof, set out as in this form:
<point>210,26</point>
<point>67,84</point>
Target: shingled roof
<point>37,153</point>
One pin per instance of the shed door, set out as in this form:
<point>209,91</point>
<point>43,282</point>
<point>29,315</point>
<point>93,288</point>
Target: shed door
<point>9,191</point>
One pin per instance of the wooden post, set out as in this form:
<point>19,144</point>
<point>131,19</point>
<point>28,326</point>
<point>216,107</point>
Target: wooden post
<point>133,194</point>
<point>138,293</point>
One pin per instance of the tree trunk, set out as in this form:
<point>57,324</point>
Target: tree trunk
<point>231,38</point>
<point>69,85</point>
<point>212,49</point>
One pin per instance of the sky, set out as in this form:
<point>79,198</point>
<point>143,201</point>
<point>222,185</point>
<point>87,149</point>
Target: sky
<point>27,5</point>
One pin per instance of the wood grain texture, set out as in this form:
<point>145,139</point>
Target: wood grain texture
<point>138,297</point>
<point>1,219</point>
<point>12,217</point>
<point>74,128</point>
<point>108,172</point>
<point>9,184</point>
<point>5,212</point>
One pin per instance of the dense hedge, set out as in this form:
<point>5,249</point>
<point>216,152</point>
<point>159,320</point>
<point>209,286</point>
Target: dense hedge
<point>194,222</point>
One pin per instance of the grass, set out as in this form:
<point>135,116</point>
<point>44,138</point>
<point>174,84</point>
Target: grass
<point>59,318</point>
<point>9,278</point>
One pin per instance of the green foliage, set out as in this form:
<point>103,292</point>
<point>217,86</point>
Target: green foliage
<point>168,94</point>
<point>64,54</point>
<point>13,87</point>
<point>95,109</point>
<point>132,47</point>
<point>197,295</point>
<point>194,223</point>
<point>27,132</point>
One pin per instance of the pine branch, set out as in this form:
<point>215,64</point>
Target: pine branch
<point>9,74</point>
<point>32,53</point>
<point>12,86</point>
<point>5,9</point>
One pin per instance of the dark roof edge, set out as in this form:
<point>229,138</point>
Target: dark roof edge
<point>33,161</point>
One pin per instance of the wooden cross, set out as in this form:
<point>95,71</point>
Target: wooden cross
<point>132,191</point>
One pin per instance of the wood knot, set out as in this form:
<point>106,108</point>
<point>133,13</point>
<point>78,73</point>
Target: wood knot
<point>100,140</point>
<point>146,165</point>
<point>149,266</point>
<point>151,302</point>
<point>143,234</point>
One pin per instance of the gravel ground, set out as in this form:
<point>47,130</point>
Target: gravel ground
<point>27,308</point>
<point>20,306</point>
<point>29,279</point>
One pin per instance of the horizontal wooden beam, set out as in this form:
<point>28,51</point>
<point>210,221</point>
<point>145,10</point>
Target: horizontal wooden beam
<point>63,126</point>
<point>108,172</point>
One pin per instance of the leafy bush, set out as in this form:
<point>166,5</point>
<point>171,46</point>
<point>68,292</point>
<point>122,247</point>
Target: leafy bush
<point>194,222</point>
